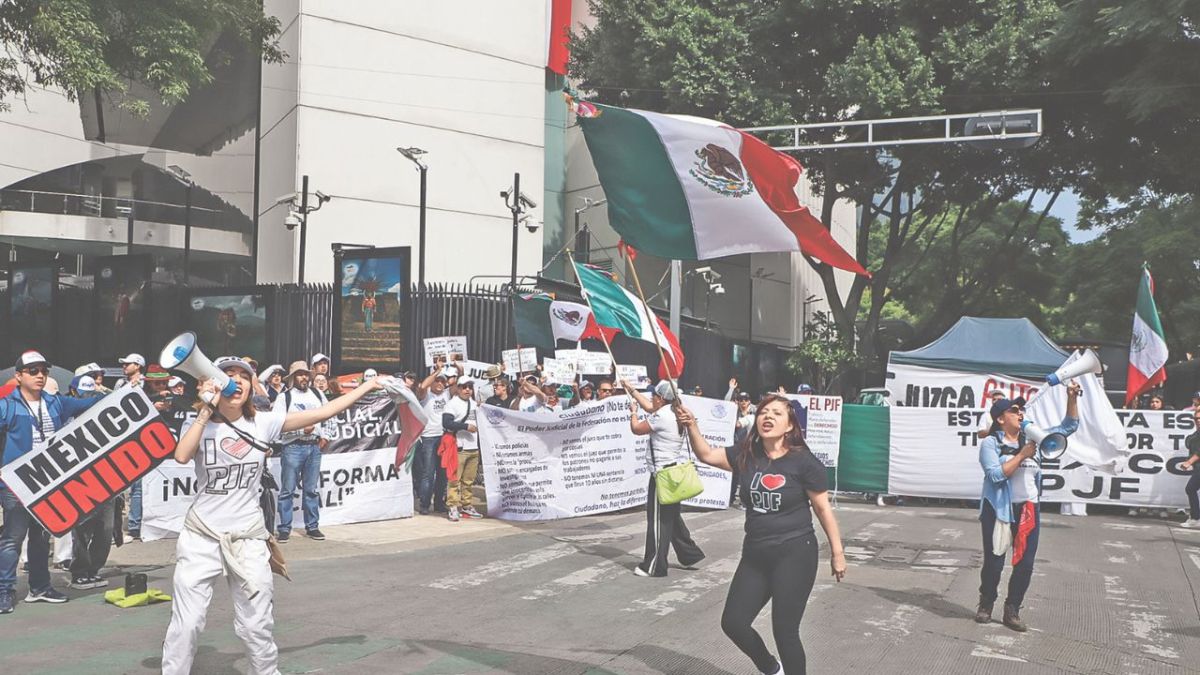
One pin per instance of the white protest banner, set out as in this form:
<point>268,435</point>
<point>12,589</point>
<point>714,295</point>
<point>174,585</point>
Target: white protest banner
<point>914,386</point>
<point>558,371</point>
<point>636,375</point>
<point>519,360</point>
<point>586,363</point>
<point>359,481</point>
<point>542,466</point>
<point>716,419</point>
<point>452,348</point>
<point>824,429</point>
<point>935,453</point>
<point>355,487</point>
<point>90,461</point>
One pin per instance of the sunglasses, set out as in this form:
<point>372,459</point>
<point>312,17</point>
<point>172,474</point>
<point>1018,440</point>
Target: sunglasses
<point>37,371</point>
<point>1016,409</point>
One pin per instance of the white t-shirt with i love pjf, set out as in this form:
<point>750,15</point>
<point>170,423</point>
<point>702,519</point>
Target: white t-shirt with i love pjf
<point>229,471</point>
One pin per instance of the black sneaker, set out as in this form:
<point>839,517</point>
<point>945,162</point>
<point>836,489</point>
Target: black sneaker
<point>49,595</point>
<point>316,534</point>
<point>87,583</point>
<point>6,602</point>
<point>424,510</point>
<point>135,534</point>
<point>283,537</point>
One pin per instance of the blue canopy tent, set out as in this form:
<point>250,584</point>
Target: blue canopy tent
<point>1012,347</point>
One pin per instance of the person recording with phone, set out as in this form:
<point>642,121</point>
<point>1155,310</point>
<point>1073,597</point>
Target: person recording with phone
<point>224,532</point>
<point>1011,494</point>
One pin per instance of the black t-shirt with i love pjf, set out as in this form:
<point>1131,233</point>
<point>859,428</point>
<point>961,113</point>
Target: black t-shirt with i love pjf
<point>775,492</point>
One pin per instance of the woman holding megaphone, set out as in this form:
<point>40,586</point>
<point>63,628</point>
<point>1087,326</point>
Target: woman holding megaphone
<point>224,531</point>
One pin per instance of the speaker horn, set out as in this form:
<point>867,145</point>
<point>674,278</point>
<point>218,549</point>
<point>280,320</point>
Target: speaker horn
<point>1088,363</point>
<point>184,355</point>
<point>1050,445</point>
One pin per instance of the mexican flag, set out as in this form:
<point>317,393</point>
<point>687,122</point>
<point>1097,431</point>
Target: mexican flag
<point>1148,348</point>
<point>616,308</point>
<point>686,188</point>
<point>542,321</point>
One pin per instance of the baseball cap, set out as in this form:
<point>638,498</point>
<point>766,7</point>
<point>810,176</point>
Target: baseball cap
<point>175,382</point>
<point>31,358</point>
<point>743,396</point>
<point>252,361</point>
<point>133,358</point>
<point>89,368</point>
<point>664,390</point>
<point>1003,405</point>
<point>319,357</point>
<point>466,382</point>
<point>370,373</point>
<point>233,362</point>
<point>587,384</point>
<point>804,389</point>
<point>86,383</point>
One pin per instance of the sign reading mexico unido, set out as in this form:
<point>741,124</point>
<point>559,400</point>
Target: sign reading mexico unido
<point>935,453</point>
<point>91,460</point>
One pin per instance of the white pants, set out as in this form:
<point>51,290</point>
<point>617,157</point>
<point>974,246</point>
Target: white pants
<point>197,569</point>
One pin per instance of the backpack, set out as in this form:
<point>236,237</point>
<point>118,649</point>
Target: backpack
<point>287,398</point>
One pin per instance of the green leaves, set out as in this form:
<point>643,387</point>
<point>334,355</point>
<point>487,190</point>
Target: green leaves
<point>107,46</point>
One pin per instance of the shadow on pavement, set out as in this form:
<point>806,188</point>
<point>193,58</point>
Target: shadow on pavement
<point>931,601</point>
<point>211,660</point>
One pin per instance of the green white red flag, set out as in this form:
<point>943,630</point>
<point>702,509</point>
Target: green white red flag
<point>1148,347</point>
<point>613,307</point>
<point>687,188</point>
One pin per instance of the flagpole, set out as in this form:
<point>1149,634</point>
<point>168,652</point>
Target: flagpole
<point>588,300</point>
<point>653,325</point>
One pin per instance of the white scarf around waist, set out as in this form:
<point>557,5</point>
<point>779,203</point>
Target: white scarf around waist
<point>232,560</point>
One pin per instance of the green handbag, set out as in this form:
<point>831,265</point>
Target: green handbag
<point>677,482</point>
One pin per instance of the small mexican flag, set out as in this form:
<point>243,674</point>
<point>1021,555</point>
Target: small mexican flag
<point>541,321</point>
<point>687,188</point>
<point>616,308</point>
<point>1148,348</point>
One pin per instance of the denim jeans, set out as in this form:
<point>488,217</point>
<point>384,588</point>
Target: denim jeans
<point>300,462</point>
<point>425,465</point>
<point>17,524</point>
<point>993,565</point>
<point>135,507</point>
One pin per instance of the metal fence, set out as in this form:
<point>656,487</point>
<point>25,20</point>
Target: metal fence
<point>302,325</point>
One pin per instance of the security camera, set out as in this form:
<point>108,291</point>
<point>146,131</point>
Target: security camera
<point>292,221</point>
<point>718,289</point>
<point>533,227</point>
<point>322,197</point>
<point>527,201</point>
<point>527,221</point>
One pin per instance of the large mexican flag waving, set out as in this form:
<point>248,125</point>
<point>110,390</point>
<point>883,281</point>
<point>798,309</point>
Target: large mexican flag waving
<point>1148,347</point>
<point>687,188</point>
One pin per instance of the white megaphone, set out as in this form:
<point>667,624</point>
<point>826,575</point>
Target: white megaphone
<point>1051,445</point>
<point>1088,363</point>
<point>183,354</point>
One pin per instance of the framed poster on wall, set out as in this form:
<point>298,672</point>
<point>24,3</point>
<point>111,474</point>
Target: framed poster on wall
<point>232,321</point>
<point>32,296</point>
<point>370,309</point>
<point>122,296</point>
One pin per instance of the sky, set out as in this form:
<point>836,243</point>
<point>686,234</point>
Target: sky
<point>1066,207</point>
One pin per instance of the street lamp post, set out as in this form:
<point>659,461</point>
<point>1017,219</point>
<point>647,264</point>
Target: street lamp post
<point>186,178</point>
<point>303,225</point>
<point>414,155</point>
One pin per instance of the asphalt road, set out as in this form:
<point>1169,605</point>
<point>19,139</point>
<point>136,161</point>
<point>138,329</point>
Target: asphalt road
<point>1110,594</point>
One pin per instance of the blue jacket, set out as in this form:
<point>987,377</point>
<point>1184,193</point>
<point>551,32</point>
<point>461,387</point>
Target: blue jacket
<point>16,422</point>
<point>997,488</point>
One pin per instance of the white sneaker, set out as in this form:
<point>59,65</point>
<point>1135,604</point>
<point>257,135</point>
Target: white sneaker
<point>1190,524</point>
<point>1133,512</point>
<point>452,514</point>
<point>879,501</point>
<point>640,572</point>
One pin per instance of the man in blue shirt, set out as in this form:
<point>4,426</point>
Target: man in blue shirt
<point>1011,492</point>
<point>29,417</point>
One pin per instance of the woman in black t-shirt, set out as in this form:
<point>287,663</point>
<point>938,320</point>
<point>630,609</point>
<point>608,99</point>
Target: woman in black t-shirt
<point>781,484</point>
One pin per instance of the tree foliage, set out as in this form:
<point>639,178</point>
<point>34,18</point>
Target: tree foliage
<point>106,46</point>
<point>823,357</point>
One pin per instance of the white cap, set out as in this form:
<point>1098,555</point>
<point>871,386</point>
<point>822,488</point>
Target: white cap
<point>31,358</point>
<point>370,373</point>
<point>86,383</point>
<point>133,358</point>
<point>266,374</point>
<point>664,390</point>
<point>174,382</point>
<point>233,362</point>
<point>89,368</point>
<point>317,358</point>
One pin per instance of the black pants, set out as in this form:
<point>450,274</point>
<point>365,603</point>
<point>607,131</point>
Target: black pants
<point>784,574</point>
<point>664,529</point>
<point>1193,487</point>
<point>993,565</point>
<point>92,540</point>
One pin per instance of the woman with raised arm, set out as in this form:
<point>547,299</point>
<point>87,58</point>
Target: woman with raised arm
<point>782,484</point>
<point>224,532</point>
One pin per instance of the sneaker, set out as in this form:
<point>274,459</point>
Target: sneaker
<point>424,510</point>
<point>452,514</point>
<point>1133,512</point>
<point>983,614</point>
<point>879,501</point>
<point>470,512</point>
<point>638,571</point>
<point>1190,524</point>
<point>86,583</point>
<point>315,534</point>
<point>283,537</point>
<point>49,595</point>
<point>689,567</point>
<point>135,534</point>
<point>1012,619</point>
<point>6,602</point>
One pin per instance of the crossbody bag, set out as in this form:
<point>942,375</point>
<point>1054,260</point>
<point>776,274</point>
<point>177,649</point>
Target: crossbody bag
<point>675,483</point>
